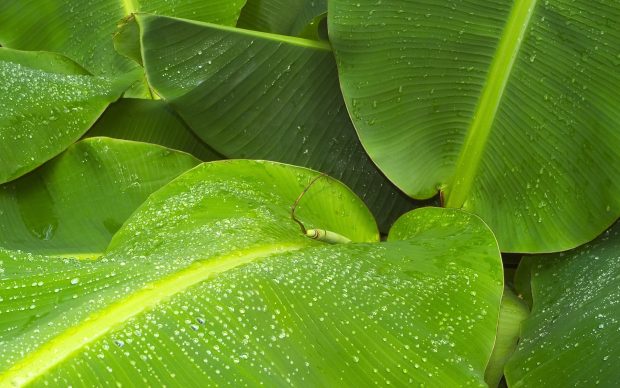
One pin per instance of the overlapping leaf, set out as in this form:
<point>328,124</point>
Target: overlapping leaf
<point>571,338</point>
<point>286,17</point>
<point>508,108</point>
<point>82,29</point>
<point>74,204</point>
<point>47,102</point>
<point>512,313</point>
<point>150,121</point>
<point>262,96</point>
<point>211,282</point>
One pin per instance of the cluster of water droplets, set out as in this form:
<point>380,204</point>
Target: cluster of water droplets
<point>577,320</point>
<point>43,109</point>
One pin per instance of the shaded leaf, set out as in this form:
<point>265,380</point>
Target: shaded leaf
<point>73,205</point>
<point>126,40</point>
<point>571,337</point>
<point>512,312</point>
<point>285,17</point>
<point>150,121</point>
<point>262,96</point>
<point>316,29</point>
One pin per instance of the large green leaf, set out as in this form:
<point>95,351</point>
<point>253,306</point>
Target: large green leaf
<point>571,338</point>
<point>262,96</point>
<point>210,282</point>
<point>509,108</point>
<point>82,29</point>
<point>47,102</point>
<point>73,205</point>
<point>286,17</point>
<point>150,121</point>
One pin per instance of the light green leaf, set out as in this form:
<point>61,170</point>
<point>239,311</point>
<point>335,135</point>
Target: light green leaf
<point>150,121</point>
<point>512,312</point>
<point>286,17</point>
<point>211,282</point>
<point>126,40</point>
<point>509,108</point>
<point>47,102</point>
<point>73,205</point>
<point>83,29</point>
<point>571,337</point>
<point>262,96</point>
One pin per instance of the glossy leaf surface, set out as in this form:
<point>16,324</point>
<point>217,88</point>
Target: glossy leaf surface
<point>263,96</point>
<point>83,29</point>
<point>211,282</point>
<point>47,102</point>
<point>150,121</point>
<point>73,205</point>
<point>571,337</point>
<point>509,108</point>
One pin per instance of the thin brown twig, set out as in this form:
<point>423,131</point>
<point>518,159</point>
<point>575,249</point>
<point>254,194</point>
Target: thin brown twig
<point>303,228</point>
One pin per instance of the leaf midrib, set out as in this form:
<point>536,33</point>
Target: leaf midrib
<point>497,78</point>
<point>277,38</point>
<point>98,324</point>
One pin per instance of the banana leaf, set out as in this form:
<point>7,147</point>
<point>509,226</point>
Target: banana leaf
<point>82,29</point>
<point>212,282</point>
<point>150,121</point>
<point>316,29</point>
<point>254,95</point>
<point>512,312</point>
<point>285,17</point>
<point>571,337</point>
<point>74,204</point>
<point>509,109</point>
<point>47,102</point>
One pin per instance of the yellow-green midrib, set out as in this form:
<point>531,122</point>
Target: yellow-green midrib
<point>72,340</point>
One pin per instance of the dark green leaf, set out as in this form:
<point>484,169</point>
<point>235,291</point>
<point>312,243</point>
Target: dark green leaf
<point>286,17</point>
<point>150,121</point>
<point>571,338</point>
<point>512,312</point>
<point>263,96</point>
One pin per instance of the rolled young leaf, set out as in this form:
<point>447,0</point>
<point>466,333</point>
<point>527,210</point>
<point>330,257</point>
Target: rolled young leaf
<point>512,312</point>
<point>508,108</point>
<point>74,204</point>
<point>571,337</point>
<point>316,29</point>
<point>210,282</point>
<point>47,102</point>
